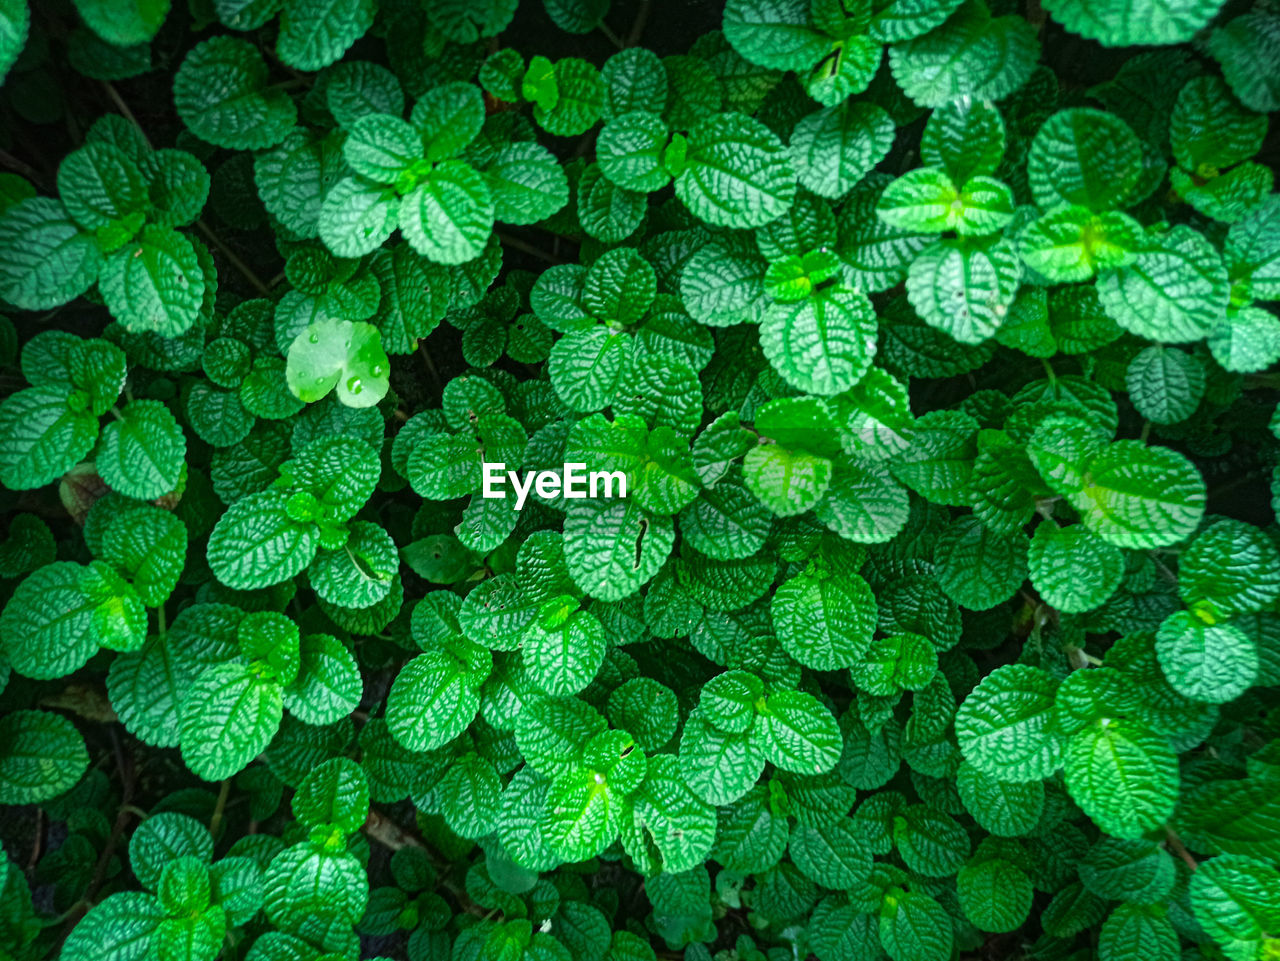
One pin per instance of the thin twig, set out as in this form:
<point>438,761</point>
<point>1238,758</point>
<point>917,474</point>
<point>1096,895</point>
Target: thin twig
<point>431,366</point>
<point>1180,849</point>
<point>638,25</point>
<point>529,248</point>
<point>236,262</point>
<point>608,32</point>
<point>118,100</point>
<point>204,228</point>
<point>37,846</point>
<point>215,822</point>
<point>126,810</point>
<point>1164,571</point>
<point>28,171</point>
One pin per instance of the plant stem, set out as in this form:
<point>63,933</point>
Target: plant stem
<point>224,792</point>
<point>13,163</point>
<point>1180,849</point>
<point>99,876</point>
<point>529,248</point>
<point>638,25</point>
<point>608,32</point>
<point>236,262</point>
<point>123,107</point>
<point>431,367</point>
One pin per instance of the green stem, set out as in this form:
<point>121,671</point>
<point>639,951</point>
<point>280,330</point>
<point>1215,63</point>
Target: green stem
<point>224,792</point>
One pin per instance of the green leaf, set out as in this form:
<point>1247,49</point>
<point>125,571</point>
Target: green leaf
<point>341,354</point>
<point>966,138</point>
<point>1166,385</point>
<point>432,701</point>
<point>308,884</point>
<point>46,259</point>
<point>1140,497</point>
<point>164,838</point>
<point>825,621</point>
<point>257,542</point>
<point>630,150</point>
<point>1245,49</point>
<point>1120,23</point>
<point>668,814</point>
<point>1206,661</point>
<point>1135,931</point>
<point>43,434</point>
<point>794,732</point>
<point>141,453</point>
<point>736,173</point>
<point>1084,157</point>
<point>381,146</point>
<point>42,756</point>
<point>926,200</point>
<point>834,148</point>
<point>1247,341</point>
<point>864,503</point>
<point>358,574</point>
<point>786,481</point>
<point>1007,728</point>
<point>894,664</point>
<point>58,617</point>
<point>774,33</point>
<point>1073,569</point>
<point>222,96</point>
<point>613,547</point>
<point>972,54</point>
<point>1233,898</point>
<point>334,794</point>
<point>977,567</point>
<point>1071,244</point>
<point>357,216</point>
<point>124,23</point>
<point>965,288</point>
<point>578,100</point>
<point>1209,128</point>
<point>1174,291</point>
<point>995,894</point>
<point>718,767</point>
<point>563,658</point>
<point>1122,775</point>
<point>1005,808</point>
<point>100,185</point>
<point>228,717</point>
<point>914,927</point>
<point>834,855</point>
<point>15,22</point>
<point>448,217</point>
<point>1230,568</point>
<point>527,184</point>
<point>122,924</point>
<point>328,686</point>
<point>823,344</point>
<point>313,36</point>
<point>154,284</point>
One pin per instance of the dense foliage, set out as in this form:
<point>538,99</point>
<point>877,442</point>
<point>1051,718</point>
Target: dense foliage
<point>932,341</point>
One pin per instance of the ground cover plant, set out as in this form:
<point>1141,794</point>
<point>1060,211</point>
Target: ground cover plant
<point>934,341</point>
